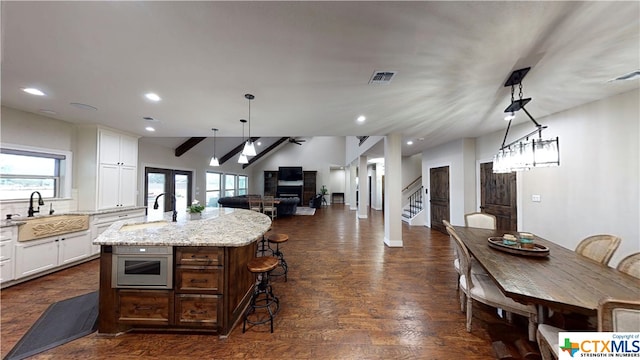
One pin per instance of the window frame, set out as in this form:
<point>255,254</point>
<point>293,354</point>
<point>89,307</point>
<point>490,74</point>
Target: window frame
<point>223,188</point>
<point>64,168</point>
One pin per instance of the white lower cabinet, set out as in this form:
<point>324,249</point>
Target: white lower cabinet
<point>8,237</point>
<point>101,222</point>
<point>33,257</point>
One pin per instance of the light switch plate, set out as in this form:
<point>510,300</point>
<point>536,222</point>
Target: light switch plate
<point>536,198</point>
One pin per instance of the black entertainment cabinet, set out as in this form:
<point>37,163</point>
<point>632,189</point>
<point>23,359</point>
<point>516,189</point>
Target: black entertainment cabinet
<point>304,189</point>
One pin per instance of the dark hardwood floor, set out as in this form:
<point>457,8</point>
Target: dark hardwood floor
<point>348,296</point>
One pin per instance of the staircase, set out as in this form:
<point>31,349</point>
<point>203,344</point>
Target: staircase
<point>412,213</point>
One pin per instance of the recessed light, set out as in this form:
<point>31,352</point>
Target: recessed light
<point>361,118</point>
<point>33,91</point>
<point>152,96</point>
<point>149,128</point>
<point>48,112</point>
<point>259,143</point>
<point>409,142</point>
<point>83,106</point>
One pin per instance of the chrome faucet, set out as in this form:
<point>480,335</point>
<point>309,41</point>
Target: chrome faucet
<point>173,206</point>
<point>40,203</point>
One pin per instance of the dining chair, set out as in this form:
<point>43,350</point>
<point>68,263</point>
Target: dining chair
<point>481,288</point>
<point>630,265</point>
<point>255,203</point>
<point>480,220</point>
<point>475,267</point>
<point>269,206</point>
<point>613,315</point>
<point>599,247</point>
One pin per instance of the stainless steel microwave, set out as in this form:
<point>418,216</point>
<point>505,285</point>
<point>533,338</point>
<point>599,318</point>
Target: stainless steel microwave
<point>142,267</point>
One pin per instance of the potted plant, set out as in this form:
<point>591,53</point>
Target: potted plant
<point>323,192</point>
<point>195,210</point>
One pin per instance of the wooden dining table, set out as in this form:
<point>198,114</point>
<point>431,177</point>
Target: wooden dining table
<point>564,280</point>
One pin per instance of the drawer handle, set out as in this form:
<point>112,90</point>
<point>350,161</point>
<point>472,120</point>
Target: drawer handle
<point>195,281</point>
<point>195,312</point>
<point>194,256</point>
<point>143,308</point>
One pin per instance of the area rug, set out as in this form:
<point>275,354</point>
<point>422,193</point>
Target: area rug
<point>62,322</point>
<point>302,210</point>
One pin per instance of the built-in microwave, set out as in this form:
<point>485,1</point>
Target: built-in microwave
<point>142,267</point>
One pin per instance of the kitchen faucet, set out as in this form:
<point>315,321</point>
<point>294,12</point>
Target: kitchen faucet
<point>40,202</point>
<point>173,205</point>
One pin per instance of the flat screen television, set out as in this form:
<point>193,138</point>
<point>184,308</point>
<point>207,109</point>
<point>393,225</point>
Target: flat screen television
<point>290,173</point>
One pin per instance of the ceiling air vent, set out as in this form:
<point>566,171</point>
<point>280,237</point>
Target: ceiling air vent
<point>382,77</point>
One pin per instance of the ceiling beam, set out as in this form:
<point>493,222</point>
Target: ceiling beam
<point>234,151</point>
<point>265,152</point>
<point>187,145</point>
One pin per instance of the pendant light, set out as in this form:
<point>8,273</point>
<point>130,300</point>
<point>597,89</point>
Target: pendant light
<point>214,160</point>
<point>243,158</point>
<point>249,148</point>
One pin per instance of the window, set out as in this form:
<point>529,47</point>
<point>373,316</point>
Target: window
<point>242,185</point>
<point>22,172</point>
<point>229,185</point>
<point>213,188</point>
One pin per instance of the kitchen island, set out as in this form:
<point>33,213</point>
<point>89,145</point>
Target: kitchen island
<point>207,284</point>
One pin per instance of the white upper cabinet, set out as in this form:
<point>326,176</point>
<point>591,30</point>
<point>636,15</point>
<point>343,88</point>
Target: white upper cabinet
<point>107,169</point>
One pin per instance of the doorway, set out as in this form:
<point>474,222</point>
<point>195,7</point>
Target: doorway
<point>498,196</point>
<point>439,200</point>
<point>167,181</point>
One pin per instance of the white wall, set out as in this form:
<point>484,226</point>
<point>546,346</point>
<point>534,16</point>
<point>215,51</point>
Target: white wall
<point>33,130</point>
<point>596,189</point>
<point>411,168</point>
<point>318,153</point>
<point>455,154</point>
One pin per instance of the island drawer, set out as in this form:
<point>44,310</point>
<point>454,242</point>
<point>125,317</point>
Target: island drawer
<point>202,255</point>
<point>198,310</point>
<point>145,307</point>
<point>199,278</point>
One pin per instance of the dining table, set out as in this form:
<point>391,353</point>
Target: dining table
<point>563,280</point>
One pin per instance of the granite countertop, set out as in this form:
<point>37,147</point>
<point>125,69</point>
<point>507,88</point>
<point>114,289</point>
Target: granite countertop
<point>218,227</point>
<point>21,219</point>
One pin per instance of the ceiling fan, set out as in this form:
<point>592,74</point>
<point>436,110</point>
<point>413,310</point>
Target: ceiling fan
<point>296,141</point>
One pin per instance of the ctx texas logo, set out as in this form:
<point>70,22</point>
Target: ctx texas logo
<point>608,346</point>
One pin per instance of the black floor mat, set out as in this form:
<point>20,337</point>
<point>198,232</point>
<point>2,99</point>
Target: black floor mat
<point>62,322</point>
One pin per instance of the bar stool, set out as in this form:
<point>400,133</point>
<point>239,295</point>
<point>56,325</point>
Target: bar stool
<point>262,297</point>
<point>278,239</point>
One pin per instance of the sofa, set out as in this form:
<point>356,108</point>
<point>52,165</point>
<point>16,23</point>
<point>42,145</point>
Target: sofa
<point>286,206</point>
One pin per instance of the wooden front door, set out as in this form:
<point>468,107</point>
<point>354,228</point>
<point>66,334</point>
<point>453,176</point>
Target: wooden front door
<point>439,200</point>
<point>498,196</point>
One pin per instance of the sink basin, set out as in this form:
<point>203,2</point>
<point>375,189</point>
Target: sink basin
<point>147,225</point>
<point>45,226</point>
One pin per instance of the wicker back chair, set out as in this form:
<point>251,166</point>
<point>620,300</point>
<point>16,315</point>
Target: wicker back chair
<point>630,265</point>
<point>599,247</point>
<point>480,220</point>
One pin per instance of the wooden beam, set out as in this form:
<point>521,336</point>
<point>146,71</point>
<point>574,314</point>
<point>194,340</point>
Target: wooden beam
<point>265,152</point>
<point>187,145</point>
<point>233,152</point>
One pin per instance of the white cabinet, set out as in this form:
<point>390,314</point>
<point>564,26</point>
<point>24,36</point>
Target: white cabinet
<point>117,171</point>
<point>8,238</point>
<point>100,223</point>
<point>36,256</point>
<point>108,169</point>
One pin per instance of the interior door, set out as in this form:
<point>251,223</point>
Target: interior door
<point>439,201</point>
<point>498,196</point>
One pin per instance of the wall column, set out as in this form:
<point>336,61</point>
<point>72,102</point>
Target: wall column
<point>352,186</point>
<point>393,190</point>
<point>363,186</point>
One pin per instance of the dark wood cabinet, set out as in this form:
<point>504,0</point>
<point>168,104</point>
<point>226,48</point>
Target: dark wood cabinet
<point>270,183</point>
<point>149,307</point>
<point>309,189</point>
<point>198,310</point>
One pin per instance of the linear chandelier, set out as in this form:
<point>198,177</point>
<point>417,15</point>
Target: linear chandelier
<point>249,149</point>
<point>525,152</point>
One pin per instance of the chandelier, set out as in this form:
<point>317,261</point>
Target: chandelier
<point>525,152</point>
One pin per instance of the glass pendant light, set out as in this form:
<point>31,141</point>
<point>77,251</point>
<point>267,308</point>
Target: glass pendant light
<point>243,158</point>
<point>214,160</point>
<point>249,149</point>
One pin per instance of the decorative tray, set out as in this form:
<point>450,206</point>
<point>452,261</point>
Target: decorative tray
<point>537,250</point>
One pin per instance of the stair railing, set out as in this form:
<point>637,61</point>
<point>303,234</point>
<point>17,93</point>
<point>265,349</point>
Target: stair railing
<point>415,202</point>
